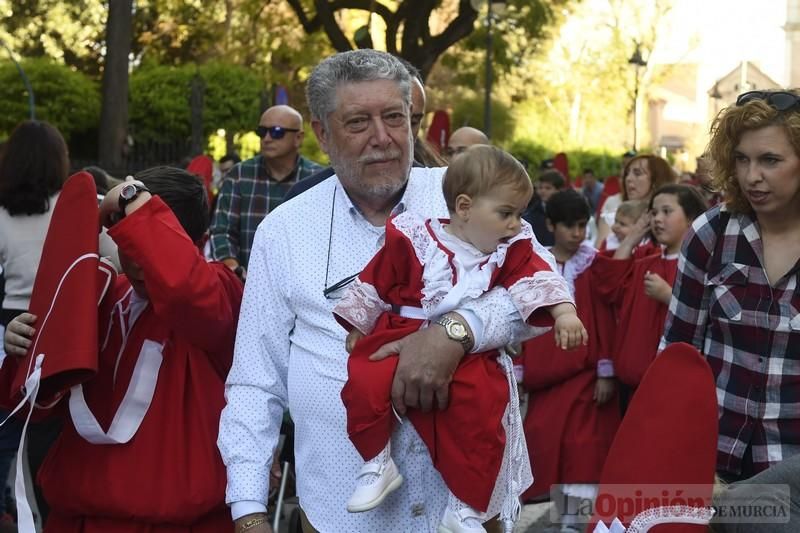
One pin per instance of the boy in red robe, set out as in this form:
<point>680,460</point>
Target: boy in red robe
<point>571,420</point>
<point>138,449</point>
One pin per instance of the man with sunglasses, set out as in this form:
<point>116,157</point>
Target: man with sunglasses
<point>290,351</point>
<point>253,188</point>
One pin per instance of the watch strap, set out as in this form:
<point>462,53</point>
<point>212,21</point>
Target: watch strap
<point>446,322</point>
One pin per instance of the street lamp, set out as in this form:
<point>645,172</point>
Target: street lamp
<point>492,6</point>
<point>638,62</point>
<point>31,104</point>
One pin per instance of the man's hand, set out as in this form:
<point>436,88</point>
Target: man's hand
<point>19,333</point>
<point>352,338</point>
<point>241,525</point>
<point>657,288</point>
<point>275,472</point>
<point>427,360</point>
<point>604,390</point>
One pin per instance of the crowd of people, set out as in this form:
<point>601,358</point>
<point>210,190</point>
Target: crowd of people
<point>447,338</point>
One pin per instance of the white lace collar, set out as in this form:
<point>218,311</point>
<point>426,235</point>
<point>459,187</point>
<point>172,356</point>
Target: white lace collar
<point>671,514</point>
<point>575,265</point>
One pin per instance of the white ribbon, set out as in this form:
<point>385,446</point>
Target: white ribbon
<point>134,405</point>
<point>25,523</point>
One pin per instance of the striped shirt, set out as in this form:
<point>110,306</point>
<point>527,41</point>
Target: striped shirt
<point>748,329</point>
<point>248,193</point>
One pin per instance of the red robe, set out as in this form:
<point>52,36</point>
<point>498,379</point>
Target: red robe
<point>169,476</point>
<point>640,318</point>
<point>567,432</point>
<point>466,441</point>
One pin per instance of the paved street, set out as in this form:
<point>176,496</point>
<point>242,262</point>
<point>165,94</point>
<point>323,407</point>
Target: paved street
<point>534,518</point>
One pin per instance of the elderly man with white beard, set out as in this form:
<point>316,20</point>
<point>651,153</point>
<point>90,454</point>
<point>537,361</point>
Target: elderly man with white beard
<point>290,351</point>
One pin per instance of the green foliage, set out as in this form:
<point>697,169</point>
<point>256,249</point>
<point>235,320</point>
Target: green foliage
<point>531,152</point>
<point>604,163</point>
<point>69,32</point>
<point>232,97</point>
<point>517,32</point>
<point>469,111</point>
<point>159,103</point>
<point>65,98</point>
<point>160,109</point>
<point>310,147</point>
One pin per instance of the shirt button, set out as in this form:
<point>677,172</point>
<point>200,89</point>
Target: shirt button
<point>418,509</point>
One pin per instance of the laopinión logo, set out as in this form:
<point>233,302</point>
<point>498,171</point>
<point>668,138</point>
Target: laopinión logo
<point>758,504</point>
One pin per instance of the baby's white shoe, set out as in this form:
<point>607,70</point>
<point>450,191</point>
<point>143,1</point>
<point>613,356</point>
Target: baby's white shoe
<point>461,518</point>
<point>378,478</point>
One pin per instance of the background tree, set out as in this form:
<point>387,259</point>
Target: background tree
<point>69,32</point>
<point>114,113</point>
<point>417,30</point>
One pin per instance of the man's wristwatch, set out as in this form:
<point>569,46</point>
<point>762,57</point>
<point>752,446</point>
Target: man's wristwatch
<point>456,331</point>
<point>128,193</point>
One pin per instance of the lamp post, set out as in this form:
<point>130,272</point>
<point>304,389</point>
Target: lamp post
<point>637,61</point>
<point>487,101</point>
<point>31,102</point>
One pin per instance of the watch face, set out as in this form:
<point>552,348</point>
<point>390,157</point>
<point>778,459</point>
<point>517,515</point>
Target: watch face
<point>128,191</point>
<point>458,330</point>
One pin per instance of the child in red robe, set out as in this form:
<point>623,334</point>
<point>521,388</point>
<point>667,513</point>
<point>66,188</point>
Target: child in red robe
<point>138,448</point>
<point>638,283</point>
<point>424,271</point>
<point>571,419</point>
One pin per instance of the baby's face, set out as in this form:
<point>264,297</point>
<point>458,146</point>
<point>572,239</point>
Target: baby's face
<point>622,226</point>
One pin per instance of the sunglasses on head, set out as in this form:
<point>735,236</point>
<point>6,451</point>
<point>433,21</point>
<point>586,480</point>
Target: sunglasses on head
<point>780,100</point>
<point>275,132</point>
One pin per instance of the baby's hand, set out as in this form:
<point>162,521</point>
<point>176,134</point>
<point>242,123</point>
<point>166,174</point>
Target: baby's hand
<point>570,332</point>
<point>352,338</point>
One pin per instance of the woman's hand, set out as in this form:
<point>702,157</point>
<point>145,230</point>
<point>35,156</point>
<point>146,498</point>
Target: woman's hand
<point>19,335</point>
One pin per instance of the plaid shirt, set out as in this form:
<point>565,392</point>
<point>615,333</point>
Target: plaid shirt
<point>748,330</point>
<point>248,193</point>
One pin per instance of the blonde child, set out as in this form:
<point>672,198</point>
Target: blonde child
<point>626,216</point>
<point>424,271</point>
<point>639,287</point>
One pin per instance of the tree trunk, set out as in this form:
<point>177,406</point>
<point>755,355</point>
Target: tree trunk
<point>114,112</point>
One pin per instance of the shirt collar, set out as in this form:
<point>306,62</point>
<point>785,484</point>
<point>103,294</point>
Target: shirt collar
<point>354,210</point>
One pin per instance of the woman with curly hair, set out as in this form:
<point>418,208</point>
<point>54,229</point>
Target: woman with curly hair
<point>736,296</point>
<point>641,177</point>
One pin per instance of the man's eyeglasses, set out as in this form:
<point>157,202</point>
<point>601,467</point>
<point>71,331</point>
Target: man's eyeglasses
<point>275,132</point>
<point>780,100</point>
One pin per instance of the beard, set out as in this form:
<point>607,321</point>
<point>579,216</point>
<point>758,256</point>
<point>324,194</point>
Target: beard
<point>379,186</point>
